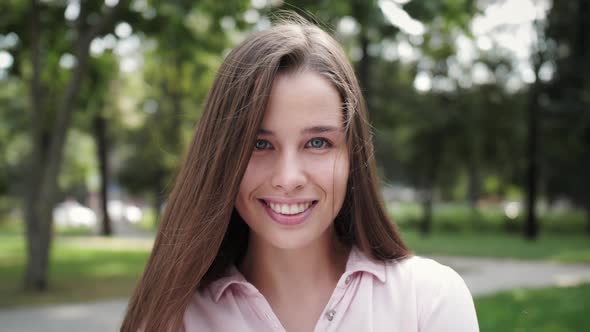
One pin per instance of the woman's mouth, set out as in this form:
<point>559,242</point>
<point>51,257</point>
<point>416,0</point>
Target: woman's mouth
<point>288,213</point>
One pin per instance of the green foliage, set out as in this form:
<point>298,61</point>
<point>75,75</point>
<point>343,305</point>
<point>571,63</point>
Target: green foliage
<point>177,75</point>
<point>564,102</point>
<point>13,140</point>
<point>556,309</point>
<point>462,218</point>
<point>80,165</point>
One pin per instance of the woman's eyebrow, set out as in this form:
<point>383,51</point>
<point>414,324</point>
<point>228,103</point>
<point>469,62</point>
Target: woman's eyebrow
<point>308,130</point>
<point>263,131</point>
<point>320,129</point>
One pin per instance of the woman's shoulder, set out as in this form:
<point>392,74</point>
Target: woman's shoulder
<point>443,301</point>
<point>429,280</point>
<point>407,271</point>
<point>423,271</point>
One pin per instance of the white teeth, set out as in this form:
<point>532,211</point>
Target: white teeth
<point>289,209</point>
<point>284,209</point>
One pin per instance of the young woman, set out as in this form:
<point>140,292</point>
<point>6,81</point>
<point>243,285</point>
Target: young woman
<point>276,222</point>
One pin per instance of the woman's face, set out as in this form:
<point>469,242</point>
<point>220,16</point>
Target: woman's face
<point>296,179</point>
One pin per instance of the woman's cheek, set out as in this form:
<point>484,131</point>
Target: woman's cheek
<point>331,172</point>
<point>257,169</point>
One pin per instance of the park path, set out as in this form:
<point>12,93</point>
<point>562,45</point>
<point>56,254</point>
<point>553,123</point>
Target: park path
<point>482,276</point>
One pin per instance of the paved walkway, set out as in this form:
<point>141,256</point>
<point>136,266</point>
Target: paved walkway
<point>487,276</point>
<point>87,317</point>
<point>483,276</point>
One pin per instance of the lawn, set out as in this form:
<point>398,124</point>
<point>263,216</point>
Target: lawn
<point>82,269</point>
<point>540,310</point>
<point>565,248</point>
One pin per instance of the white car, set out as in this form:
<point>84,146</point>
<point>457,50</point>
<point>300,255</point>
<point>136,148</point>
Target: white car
<point>72,213</point>
<point>121,211</point>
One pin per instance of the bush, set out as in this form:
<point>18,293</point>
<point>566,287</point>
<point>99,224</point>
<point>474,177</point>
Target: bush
<point>460,217</point>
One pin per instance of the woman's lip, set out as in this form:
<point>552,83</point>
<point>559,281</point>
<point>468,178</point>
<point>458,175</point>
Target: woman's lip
<point>289,220</point>
<point>287,200</point>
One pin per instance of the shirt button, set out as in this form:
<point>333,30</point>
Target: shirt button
<point>347,280</point>
<point>330,315</point>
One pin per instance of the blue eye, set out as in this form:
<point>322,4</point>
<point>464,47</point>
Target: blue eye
<point>261,144</point>
<point>318,143</point>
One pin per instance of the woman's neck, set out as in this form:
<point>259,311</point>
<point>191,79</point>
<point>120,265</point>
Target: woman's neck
<point>282,273</point>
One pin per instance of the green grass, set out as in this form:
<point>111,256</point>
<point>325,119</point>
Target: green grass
<point>541,310</point>
<point>12,226</point>
<point>571,248</point>
<point>81,269</point>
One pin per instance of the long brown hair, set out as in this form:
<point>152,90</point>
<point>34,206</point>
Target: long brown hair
<point>201,233</point>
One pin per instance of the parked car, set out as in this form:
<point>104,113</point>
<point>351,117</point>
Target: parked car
<point>73,214</point>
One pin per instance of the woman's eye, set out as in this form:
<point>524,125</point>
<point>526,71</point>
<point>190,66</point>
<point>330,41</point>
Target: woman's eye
<point>318,143</point>
<point>261,144</point>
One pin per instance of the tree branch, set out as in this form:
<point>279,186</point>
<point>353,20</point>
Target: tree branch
<point>105,21</point>
<point>67,104</point>
<point>36,64</point>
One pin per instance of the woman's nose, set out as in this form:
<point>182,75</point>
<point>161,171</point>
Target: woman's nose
<point>288,174</point>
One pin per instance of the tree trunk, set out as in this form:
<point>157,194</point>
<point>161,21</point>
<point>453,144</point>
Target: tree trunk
<point>430,182</point>
<point>581,50</point>
<point>427,202</point>
<point>361,12</point>
<point>474,188</point>
<point>47,145</point>
<point>37,210</point>
<point>364,65</point>
<point>158,201</point>
<point>102,149</point>
<point>158,195</point>
<point>39,234</point>
<point>531,229</point>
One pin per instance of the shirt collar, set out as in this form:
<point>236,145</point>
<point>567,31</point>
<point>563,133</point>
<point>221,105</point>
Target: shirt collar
<point>233,276</point>
<point>357,262</point>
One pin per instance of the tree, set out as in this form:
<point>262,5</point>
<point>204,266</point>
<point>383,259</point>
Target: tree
<point>565,124</point>
<point>52,106</point>
<point>190,39</point>
<point>13,125</point>
<point>531,228</point>
<point>99,111</point>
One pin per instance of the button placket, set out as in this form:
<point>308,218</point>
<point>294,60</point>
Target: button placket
<point>263,306</point>
<point>330,314</point>
<point>335,300</point>
<point>331,309</point>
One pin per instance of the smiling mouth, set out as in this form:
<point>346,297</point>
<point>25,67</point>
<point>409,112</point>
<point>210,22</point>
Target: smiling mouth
<point>289,209</point>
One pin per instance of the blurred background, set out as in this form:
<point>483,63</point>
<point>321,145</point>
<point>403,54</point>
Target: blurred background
<point>481,115</point>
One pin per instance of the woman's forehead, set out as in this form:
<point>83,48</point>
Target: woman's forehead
<point>303,99</point>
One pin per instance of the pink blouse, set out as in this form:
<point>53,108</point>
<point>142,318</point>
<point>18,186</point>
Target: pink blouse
<point>413,294</point>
